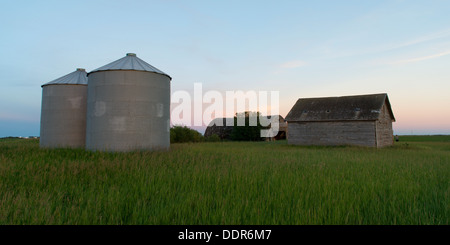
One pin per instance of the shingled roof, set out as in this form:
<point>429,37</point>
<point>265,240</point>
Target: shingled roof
<point>345,108</point>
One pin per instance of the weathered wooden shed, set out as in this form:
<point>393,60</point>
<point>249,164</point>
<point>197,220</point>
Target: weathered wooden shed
<point>364,120</point>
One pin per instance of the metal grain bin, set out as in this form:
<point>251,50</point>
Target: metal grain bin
<point>63,111</point>
<point>128,107</point>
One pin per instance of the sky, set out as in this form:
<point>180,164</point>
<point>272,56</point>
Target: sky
<point>299,48</point>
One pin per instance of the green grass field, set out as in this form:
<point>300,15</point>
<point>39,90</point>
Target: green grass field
<point>228,183</point>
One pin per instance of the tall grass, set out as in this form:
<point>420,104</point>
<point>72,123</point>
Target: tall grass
<point>226,183</point>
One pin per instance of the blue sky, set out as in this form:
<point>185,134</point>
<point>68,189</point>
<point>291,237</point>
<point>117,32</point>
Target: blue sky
<point>300,48</point>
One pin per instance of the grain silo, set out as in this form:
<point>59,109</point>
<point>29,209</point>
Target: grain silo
<point>128,107</point>
<point>63,111</point>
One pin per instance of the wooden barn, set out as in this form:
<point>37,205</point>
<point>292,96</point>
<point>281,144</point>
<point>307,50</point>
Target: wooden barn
<point>219,127</point>
<point>364,120</point>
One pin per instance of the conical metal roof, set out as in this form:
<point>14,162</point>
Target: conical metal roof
<point>130,62</point>
<point>78,77</point>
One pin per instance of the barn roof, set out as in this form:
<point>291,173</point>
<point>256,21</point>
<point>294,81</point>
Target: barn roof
<point>345,108</point>
<point>221,122</point>
<point>230,120</point>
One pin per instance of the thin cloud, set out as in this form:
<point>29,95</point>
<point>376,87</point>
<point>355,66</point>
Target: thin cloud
<point>430,37</point>
<point>422,39</point>
<point>420,58</point>
<point>293,64</point>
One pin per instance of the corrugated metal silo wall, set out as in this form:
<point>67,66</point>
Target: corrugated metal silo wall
<point>63,116</point>
<point>128,110</point>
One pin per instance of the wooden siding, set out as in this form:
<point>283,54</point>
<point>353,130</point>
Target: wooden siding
<point>332,133</point>
<point>384,128</point>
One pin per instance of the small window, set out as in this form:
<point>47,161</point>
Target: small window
<point>357,109</point>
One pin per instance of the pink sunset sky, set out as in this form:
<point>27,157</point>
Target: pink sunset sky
<point>299,48</point>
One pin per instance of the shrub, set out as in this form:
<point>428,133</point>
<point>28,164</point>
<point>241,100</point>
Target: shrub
<point>213,138</point>
<point>181,134</point>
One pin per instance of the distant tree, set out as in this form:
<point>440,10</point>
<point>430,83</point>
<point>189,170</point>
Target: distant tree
<point>247,132</point>
<point>182,134</point>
